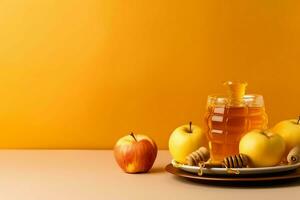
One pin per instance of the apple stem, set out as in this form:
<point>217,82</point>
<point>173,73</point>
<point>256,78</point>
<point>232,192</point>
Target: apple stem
<point>298,120</point>
<point>191,127</point>
<point>132,135</point>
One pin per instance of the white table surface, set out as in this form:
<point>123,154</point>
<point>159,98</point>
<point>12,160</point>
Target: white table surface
<point>93,174</point>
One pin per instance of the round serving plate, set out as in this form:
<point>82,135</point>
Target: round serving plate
<point>240,171</point>
<point>219,178</point>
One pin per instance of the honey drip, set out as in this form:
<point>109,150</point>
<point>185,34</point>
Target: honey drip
<point>236,92</point>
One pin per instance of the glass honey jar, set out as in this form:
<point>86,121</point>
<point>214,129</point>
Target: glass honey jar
<point>229,117</point>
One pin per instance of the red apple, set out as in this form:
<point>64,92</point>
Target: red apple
<point>135,153</point>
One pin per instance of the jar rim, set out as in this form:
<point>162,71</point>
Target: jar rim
<point>247,96</point>
<point>248,99</point>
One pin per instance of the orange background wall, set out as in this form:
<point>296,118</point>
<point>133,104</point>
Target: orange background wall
<point>80,74</point>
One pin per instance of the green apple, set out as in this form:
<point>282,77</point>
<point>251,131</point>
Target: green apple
<point>264,148</point>
<point>186,139</point>
<point>289,130</point>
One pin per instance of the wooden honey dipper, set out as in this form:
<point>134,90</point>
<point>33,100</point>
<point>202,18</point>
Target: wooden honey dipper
<point>229,162</point>
<point>200,157</point>
<point>293,156</point>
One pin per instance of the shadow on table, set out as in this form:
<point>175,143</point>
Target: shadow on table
<point>156,170</point>
<point>244,185</point>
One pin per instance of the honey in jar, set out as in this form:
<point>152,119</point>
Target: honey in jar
<point>229,117</point>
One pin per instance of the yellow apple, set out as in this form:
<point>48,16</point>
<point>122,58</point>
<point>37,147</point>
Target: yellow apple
<point>289,130</point>
<point>186,139</point>
<point>264,148</point>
